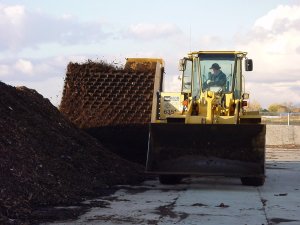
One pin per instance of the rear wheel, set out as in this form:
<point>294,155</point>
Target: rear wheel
<point>253,181</point>
<point>170,179</point>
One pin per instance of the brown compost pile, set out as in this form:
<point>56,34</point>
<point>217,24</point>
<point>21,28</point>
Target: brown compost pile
<point>46,160</point>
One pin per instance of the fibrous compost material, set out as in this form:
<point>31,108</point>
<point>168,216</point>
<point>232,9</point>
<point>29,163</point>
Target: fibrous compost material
<point>99,94</point>
<point>112,104</point>
<point>46,160</point>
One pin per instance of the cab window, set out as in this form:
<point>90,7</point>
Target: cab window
<point>187,76</point>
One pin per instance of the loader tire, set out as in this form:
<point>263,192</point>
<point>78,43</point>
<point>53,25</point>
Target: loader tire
<point>170,179</point>
<point>253,181</point>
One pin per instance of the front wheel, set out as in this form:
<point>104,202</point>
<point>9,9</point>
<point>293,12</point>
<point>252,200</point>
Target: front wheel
<point>253,181</point>
<point>170,179</point>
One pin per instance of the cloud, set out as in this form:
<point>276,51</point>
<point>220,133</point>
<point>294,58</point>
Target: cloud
<point>45,75</point>
<point>36,70</point>
<point>274,42</point>
<point>172,83</point>
<point>275,92</point>
<point>280,19</point>
<point>147,31</point>
<point>50,88</point>
<point>13,14</point>
<point>4,70</point>
<point>30,69</point>
<point>21,28</point>
<point>24,66</point>
<point>211,42</point>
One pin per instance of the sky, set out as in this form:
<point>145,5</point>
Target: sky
<point>39,38</point>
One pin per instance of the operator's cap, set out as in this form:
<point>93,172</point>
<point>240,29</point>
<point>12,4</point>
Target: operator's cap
<point>215,66</point>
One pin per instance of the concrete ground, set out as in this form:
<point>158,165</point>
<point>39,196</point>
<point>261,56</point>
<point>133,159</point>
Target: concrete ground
<point>207,200</point>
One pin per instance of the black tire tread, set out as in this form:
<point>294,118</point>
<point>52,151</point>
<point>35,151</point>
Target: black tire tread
<point>169,179</point>
<point>253,181</point>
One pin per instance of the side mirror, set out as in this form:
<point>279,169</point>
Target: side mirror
<point>248,64</point>
<point>181,65</point>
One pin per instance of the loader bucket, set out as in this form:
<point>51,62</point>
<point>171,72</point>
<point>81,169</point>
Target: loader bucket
<point>203,149</point>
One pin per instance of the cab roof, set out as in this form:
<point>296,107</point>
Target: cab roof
<point>243,54</point>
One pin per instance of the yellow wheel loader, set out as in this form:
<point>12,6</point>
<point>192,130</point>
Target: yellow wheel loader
<point>204,129</point>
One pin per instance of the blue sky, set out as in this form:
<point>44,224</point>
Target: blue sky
<point>39,38</point>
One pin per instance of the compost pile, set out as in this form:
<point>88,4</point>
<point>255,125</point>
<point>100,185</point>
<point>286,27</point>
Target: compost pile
<point>45,160</point>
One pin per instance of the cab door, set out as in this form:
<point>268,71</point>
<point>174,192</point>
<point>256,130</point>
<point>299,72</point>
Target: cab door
<point>187,76</point>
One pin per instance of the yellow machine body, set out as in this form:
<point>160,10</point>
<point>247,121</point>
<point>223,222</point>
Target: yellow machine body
<point>204,129</point>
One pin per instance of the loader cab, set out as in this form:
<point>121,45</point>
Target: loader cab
<point>198,71</point>
<point>219,73</point>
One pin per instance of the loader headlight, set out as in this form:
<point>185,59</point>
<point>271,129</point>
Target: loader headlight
<point>185,103</point>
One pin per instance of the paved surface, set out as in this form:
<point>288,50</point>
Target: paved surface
<point>207,200</point>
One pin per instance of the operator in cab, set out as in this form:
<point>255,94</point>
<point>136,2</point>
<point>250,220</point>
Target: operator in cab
<point>216,77</point>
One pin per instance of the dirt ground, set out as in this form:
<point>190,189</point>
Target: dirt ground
<point>45,160</point>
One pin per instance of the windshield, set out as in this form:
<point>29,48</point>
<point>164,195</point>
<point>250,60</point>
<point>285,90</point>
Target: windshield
<point>217,72</point>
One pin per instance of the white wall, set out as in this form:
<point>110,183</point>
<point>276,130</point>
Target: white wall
<point>282,135</point>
